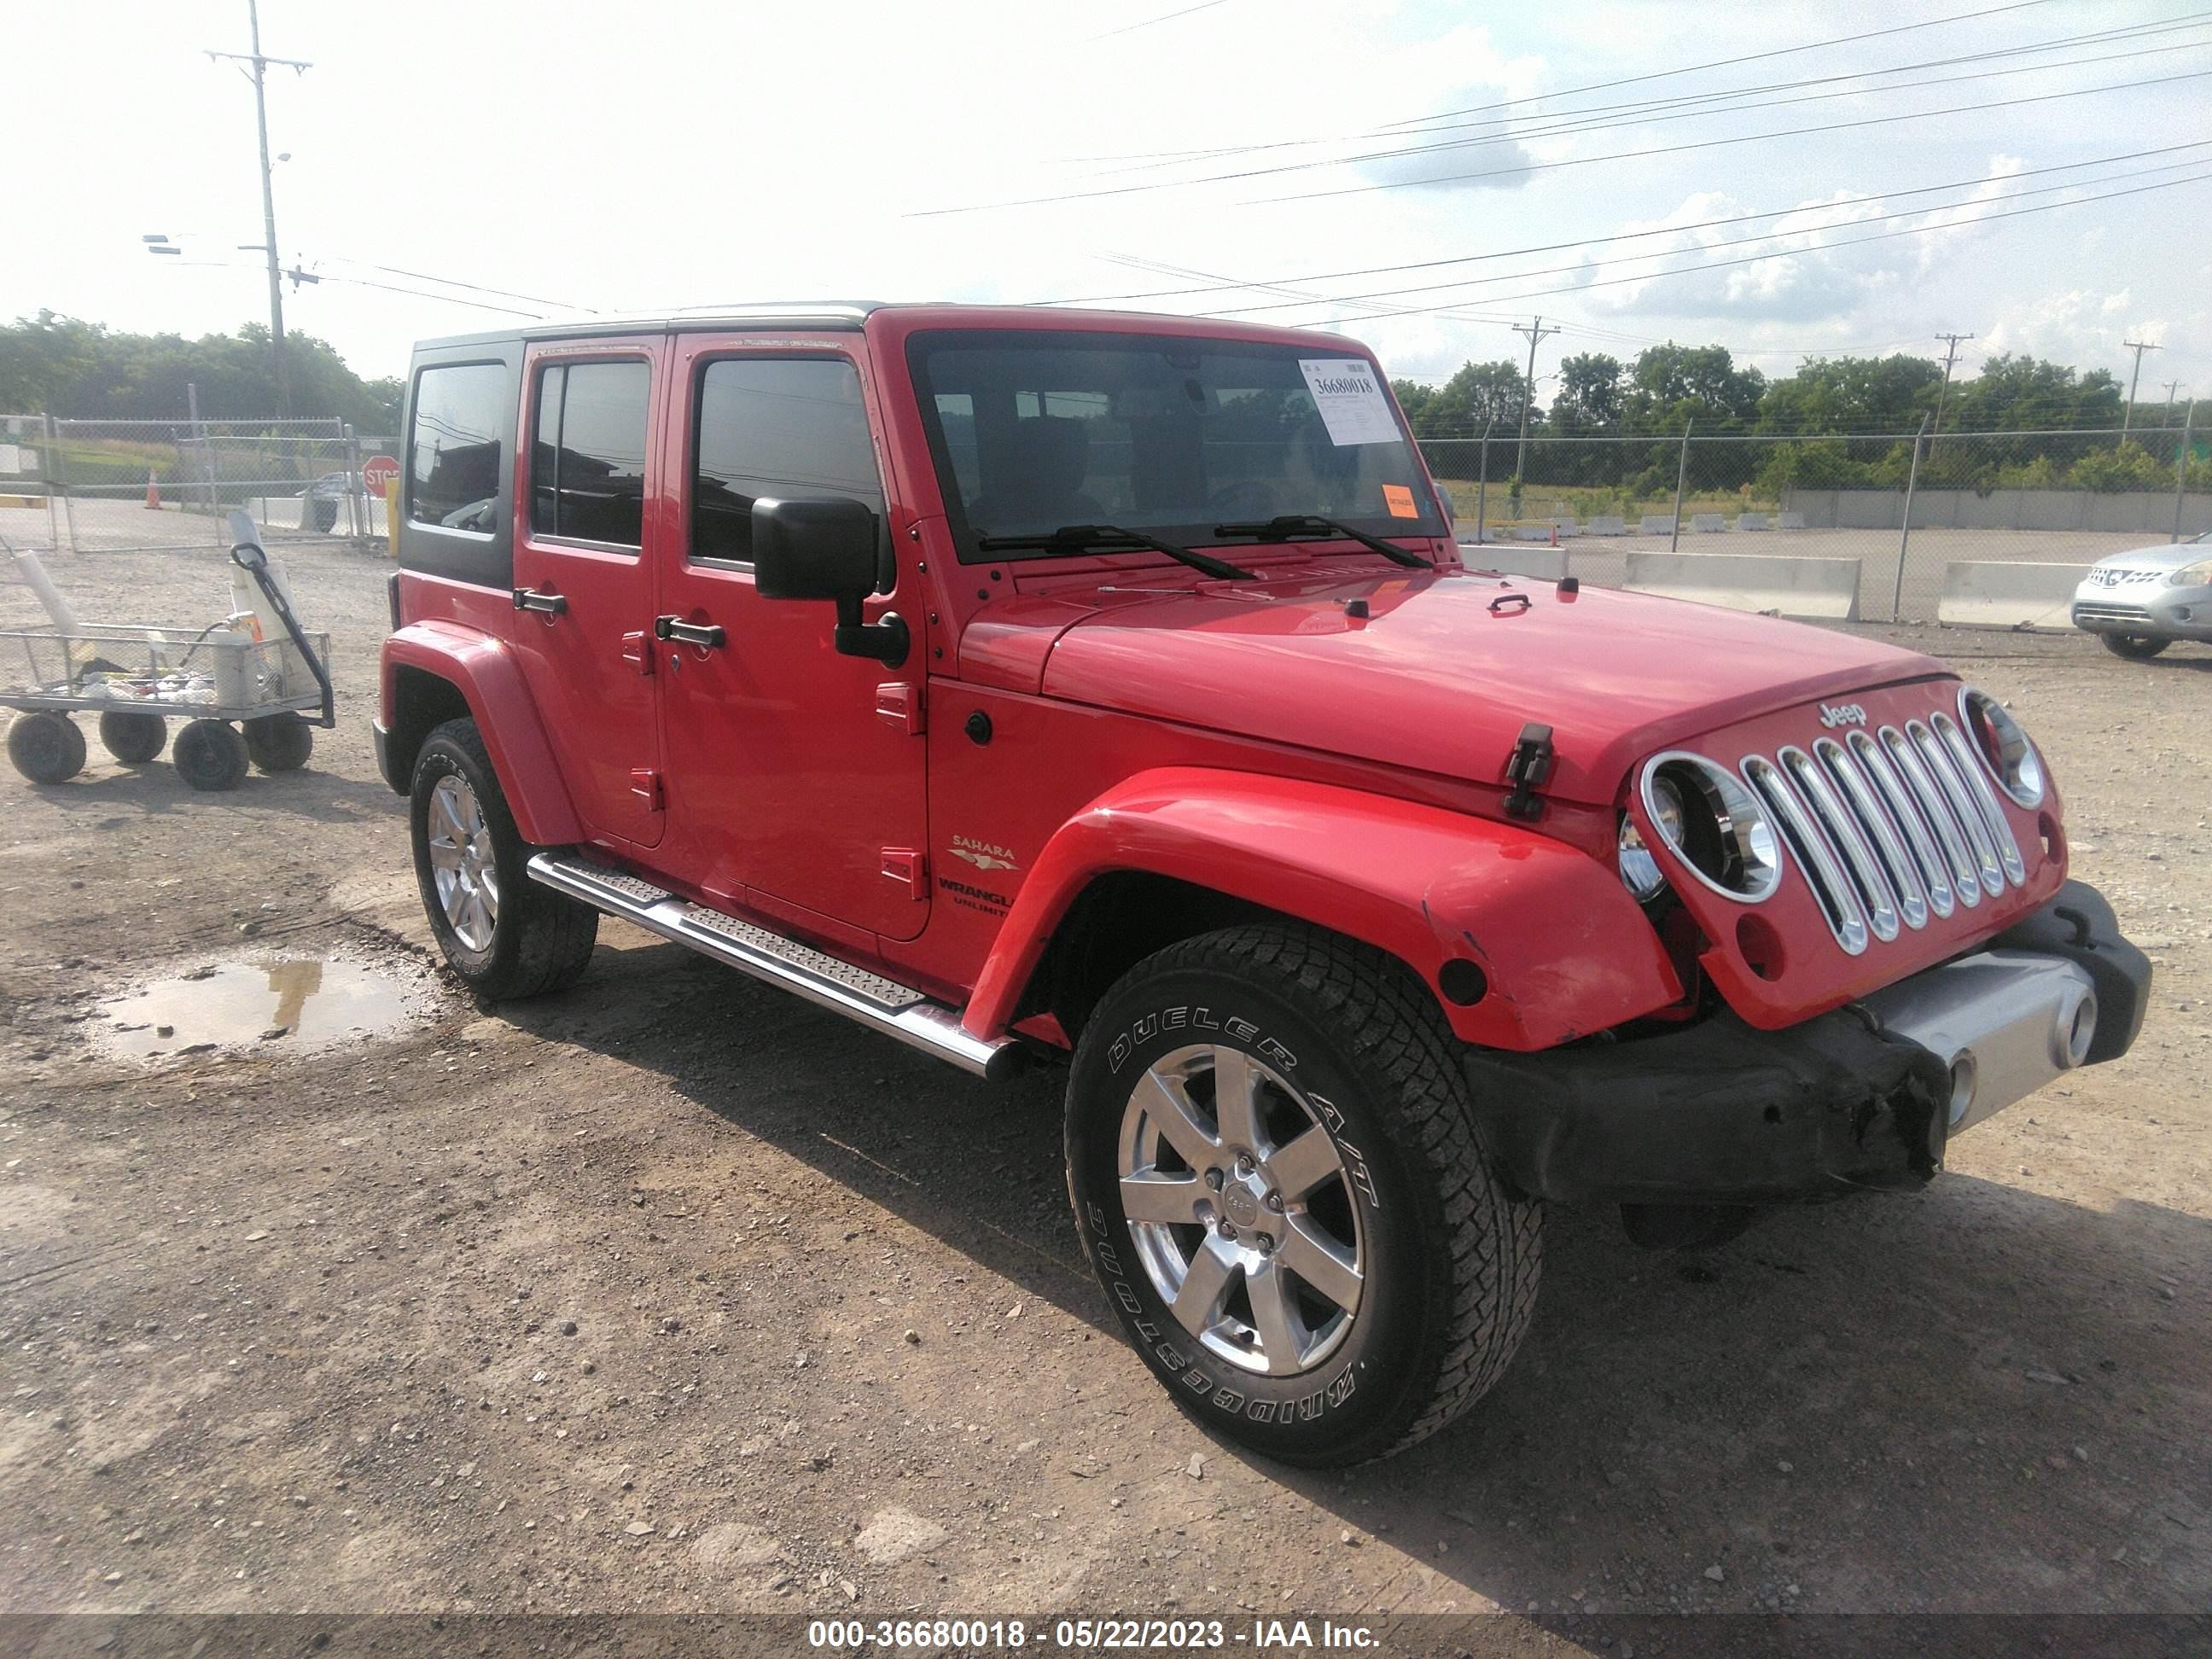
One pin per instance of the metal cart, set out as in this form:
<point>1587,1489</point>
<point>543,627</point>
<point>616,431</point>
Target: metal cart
<point>138,678</point>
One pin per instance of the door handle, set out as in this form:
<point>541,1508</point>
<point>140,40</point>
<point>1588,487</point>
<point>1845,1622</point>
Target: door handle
<point>553,604</point>
<point>706,634</point>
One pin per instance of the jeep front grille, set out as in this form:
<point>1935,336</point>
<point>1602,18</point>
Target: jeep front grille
<point>1890,827</point>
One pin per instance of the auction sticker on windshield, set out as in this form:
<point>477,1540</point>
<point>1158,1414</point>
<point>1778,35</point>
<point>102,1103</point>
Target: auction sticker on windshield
<point>1350,400</point>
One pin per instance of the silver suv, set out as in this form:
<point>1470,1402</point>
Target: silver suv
<point>2140,601</point>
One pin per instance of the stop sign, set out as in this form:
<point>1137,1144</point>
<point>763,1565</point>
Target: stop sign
<point>377,471</point>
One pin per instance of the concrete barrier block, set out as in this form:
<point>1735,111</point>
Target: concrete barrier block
<point>1543,563</point>
<point>1707,521</point>
<point>1751,521</point>
<point>1564,527</point>
<point>1656,524</point>
<point>1532,533</point>
<point>1994,593</point>
<point>1826,590</point>
<point>1606,527</point>
<point>1789,521</point>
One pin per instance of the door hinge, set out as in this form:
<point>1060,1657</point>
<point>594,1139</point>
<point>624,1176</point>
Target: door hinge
<point>1529,764</point>
<point>898,703</point>
<point>637,650</point>
<point>645,783</point>
<point>910,868</point>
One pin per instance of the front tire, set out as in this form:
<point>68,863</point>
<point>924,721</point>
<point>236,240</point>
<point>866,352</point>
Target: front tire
<point>504,935</point>
<point>2135,647</point>
<point>1278,1178</point>
<point>45,747</point>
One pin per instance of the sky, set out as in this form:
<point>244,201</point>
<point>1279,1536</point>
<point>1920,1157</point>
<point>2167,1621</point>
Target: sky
<point>663,153</point>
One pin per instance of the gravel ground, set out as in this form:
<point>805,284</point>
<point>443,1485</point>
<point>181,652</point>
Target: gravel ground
<point>671,1293</point>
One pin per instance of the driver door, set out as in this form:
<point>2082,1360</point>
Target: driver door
<point>794,776</point>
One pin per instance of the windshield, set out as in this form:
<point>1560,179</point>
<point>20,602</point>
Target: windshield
<point>1035,430</point>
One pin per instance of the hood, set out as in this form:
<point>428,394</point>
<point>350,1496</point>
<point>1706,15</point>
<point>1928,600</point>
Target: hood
<point>1444,670</point>
<point>2160,555</point>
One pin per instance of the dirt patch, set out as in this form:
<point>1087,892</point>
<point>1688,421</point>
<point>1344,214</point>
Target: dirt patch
<point>603,1302</point>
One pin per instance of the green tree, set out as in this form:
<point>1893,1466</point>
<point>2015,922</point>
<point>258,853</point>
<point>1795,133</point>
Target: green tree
<point>1590,397</point>
<point>1670,384</point>
<point>1479,394</point>
<point>65,367</point>
<point>1853,394</point>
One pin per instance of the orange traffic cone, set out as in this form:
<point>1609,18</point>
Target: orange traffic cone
<point>1555,535</point>
<point>153,493</point>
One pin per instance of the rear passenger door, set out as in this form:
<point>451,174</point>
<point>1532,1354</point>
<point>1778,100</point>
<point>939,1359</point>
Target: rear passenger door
<point>583,580</point>
<point>795,776</point>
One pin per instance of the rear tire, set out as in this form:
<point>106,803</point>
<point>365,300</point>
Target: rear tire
<point>133,738</point>
<point>45,747</point>
<point>504,935</point>
<point>2135,647</point>
<point>1350,1274</point>
<point>281,742</point>
<point>209,755</point>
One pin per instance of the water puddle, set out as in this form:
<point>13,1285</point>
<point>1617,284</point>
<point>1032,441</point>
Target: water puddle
<point>281,1003</point>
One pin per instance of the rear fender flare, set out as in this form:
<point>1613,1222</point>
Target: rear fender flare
<point>484,672</point>
<point>1564,950</point>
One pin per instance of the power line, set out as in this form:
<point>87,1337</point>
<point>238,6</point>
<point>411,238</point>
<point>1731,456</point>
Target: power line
<point>1623,236</point>
<point>1751,137</point>
<point>1570,123</point>
<point>1739,242</point>
<point>1583,161</point>
<point>1131,28</point>
<point>1757,258</point>
<point>473,288</point>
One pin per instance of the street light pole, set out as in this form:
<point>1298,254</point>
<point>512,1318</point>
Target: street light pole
<point>260,65</point>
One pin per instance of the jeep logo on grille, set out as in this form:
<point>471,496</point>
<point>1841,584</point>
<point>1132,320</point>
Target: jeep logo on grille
<point>1833,714</point>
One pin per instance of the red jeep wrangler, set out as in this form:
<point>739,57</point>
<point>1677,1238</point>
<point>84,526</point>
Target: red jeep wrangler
<point>1110,689</point>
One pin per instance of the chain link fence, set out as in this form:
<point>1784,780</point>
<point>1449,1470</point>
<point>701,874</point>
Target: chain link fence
<point>125,486</point>
<point>1907,508</point>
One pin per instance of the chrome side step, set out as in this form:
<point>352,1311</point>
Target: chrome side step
<point>897,1011</point>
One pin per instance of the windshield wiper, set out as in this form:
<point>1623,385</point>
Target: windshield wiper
<point>1307,527</point>
<point>1107,537</point>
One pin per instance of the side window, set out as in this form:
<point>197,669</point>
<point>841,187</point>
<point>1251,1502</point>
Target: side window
<point>457,447</point>
<point>781,427</point>
<point>588,453</point>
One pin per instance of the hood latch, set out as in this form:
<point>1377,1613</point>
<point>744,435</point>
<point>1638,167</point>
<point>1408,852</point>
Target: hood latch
<point>1529,764</point>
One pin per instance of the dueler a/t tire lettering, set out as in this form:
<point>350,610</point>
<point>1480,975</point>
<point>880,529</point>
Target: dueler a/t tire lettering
<point>539,940</point>
<point>1449,1258</point>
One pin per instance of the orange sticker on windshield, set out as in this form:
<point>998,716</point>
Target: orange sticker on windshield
<point>1400,500</point>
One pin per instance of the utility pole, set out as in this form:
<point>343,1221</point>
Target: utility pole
<point>2171,386</point>
<point>1950,356</point>
<point>2138,347</point>
<point>268,194</point>
<point>1536,332</point>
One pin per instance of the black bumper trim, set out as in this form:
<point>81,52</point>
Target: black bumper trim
<point>1721,1113</point>
<point>383,740</point>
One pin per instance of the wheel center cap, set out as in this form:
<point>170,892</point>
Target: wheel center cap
<point>1241,1203</point>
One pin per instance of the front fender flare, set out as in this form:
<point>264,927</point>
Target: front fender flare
<point>485,673</point>
<point>1564,949</point>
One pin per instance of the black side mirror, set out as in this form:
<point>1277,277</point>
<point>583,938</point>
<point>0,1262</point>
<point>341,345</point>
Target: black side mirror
<point>826,549</point>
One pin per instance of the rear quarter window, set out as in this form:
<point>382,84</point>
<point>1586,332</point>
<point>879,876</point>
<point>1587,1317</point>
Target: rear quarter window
<point>459,462</point>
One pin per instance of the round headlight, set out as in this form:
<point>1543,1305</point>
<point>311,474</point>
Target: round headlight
<point>2003,746</point>
<point>1639,870</point>
<point>1715,826</point>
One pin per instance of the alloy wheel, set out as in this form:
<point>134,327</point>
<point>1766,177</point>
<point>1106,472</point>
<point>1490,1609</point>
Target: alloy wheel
<point>462,863</point>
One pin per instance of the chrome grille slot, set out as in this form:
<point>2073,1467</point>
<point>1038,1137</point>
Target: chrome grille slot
<point>1956,791</point>
<point>1808,843</point>
<point>1847,838</point>
<point>1905,812</point>
<point>1936,808</point>
<point>1897,865</point>
<point>1973,775</point>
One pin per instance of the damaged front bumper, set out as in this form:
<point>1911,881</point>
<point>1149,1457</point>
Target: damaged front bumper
<point>1864,1098</point>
